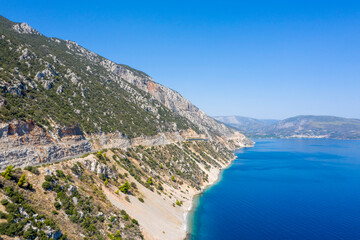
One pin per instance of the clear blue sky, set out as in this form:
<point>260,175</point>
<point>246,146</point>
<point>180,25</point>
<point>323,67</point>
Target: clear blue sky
<point>265,59</point>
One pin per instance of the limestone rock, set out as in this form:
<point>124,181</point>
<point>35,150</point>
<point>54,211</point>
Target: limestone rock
<point>24,28</point>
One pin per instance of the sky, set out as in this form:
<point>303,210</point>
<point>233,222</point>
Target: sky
<point>262,59</point>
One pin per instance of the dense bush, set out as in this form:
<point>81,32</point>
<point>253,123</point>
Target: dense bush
<point>7,174</point>
<point>125,187</point>
<point>32,169</point>
<point>46,185</point>
<point>57,205</point>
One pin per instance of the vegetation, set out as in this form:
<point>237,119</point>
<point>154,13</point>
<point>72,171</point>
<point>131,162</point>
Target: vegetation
<point>125,187</point>
<point>22,180</point>
<point>179,203</point>
<point>7,174</point>
<point>20,213</point>
<point>96,101</point>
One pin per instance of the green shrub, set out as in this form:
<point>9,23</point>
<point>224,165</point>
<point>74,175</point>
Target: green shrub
<point>7,174</point>
<point>12,208</point>
<point>32,169</point>
<point>125,187</point>
<point>141,199</point>
<point>30,234</point>
<point>149,181</point>
<point>46,185</point>
<point>57,205</point>
<point>134,221</point>
<point>179,203</point>
<point>4,202</point>
<point>3,215</point>
<point>49,178</point>
<point>160,187</point>
<point>60,174</point>
<point>22,180</point>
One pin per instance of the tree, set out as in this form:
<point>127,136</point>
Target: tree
<point>106,182</point>
<point>173,178</point>
<point>7,174</point>
<point>22,180</point>
<point>57,205</point>
<point>30,234</point>
<point>125,187</point>
<point>46,185</point>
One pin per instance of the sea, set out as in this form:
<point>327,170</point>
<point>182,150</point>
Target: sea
<point>284,189</point>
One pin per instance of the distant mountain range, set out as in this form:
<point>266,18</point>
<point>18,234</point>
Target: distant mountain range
<point>304,126</point>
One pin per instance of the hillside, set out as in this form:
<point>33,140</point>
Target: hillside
<point>67,100</point>
<point>300,127</point>
<point>104,151</point>
<point>135,193</point>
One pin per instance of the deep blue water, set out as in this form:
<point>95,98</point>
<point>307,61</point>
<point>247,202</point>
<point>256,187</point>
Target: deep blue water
<point>285,189</point>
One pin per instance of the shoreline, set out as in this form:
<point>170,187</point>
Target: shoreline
<point>188,214</point>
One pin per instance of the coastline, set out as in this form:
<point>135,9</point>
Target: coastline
<point>189,213</point>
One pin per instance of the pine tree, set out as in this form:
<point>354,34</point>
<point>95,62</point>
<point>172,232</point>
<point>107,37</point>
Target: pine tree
<point>22,180</point>
<point>125,187</point>
<point>7,174</point>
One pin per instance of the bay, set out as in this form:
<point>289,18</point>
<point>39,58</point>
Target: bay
<point>284,189</point>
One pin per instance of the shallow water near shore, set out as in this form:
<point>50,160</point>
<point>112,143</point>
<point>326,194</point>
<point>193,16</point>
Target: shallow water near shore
<point>284,189</point>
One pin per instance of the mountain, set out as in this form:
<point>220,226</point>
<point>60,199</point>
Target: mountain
<point>61,96</point>
<point>102,151</point>
<point>306,126</point>
<point>315,127</point>
<point>245,124</point>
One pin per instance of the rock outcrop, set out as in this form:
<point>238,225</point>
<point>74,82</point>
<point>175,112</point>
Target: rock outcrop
<point>25,143</point>
<point>24,28</point>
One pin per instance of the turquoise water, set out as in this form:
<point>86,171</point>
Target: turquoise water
<point>285,189</point>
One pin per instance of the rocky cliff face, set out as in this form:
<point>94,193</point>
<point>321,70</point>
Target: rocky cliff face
<point>25,143</point>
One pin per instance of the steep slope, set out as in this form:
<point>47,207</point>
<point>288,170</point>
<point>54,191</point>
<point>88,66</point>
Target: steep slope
<point>58,99</point>
<point>174,101</point>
